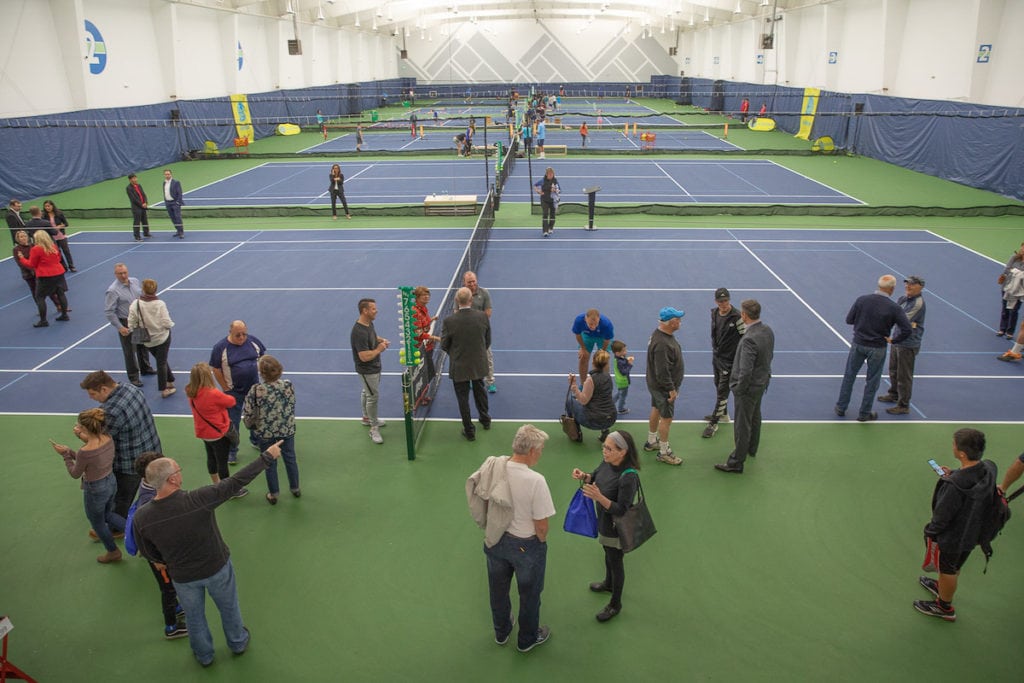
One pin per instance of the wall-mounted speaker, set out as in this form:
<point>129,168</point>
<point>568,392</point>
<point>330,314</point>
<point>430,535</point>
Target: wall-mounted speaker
<point>295,47</point>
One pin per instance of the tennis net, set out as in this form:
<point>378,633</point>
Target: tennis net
<point>425,384</point>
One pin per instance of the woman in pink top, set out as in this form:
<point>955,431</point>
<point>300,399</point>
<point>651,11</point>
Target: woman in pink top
<point>93,464</point>
<point>210,414</point>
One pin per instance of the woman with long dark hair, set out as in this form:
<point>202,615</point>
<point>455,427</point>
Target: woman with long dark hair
<point>56,218</point>
<point>337,190</point>
<point>612,486</point>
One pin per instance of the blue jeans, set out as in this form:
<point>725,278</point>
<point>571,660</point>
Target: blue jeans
<point>98,497</point>
<point>526,558</point>
<point>235,415</point>
<point>620,398</point>
<point>291,465</point>
<point>875,357</point>
<point>222,588</point>
<point>579,411</point>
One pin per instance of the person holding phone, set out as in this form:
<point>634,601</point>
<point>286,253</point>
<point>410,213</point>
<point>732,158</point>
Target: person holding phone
<point>93,464</point>
<point>337,190</point>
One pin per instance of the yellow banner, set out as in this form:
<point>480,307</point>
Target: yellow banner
<point>243,122</point>
<point>807,112</point>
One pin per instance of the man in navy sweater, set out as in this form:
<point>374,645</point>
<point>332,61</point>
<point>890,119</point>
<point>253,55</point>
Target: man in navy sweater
<point>872,317</point>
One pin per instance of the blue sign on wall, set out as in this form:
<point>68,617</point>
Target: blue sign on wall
<point>241,56</point>
<point>984,52</point>
<point>95,49</point>
<point>833,57</point>
<point>716,60</point>
<point>760,59</point>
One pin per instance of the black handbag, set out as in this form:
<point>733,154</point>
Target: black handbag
<point>232,431</point>
<point>635,526</point>
<point>569,424</point>
<point>140,335</point>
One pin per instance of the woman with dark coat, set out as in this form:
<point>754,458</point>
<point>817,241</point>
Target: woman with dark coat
<point>56,218</point>
<point>612,486</point>
<point>337,190</point>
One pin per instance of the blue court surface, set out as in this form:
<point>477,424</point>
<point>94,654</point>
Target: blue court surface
<point>725,181</point>
<point>298,290</point>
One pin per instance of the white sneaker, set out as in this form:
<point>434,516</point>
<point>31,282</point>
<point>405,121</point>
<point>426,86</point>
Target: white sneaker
<point>669,458</point>
<point>375,435</point>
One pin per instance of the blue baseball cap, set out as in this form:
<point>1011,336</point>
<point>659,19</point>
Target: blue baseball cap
<point>668,313</point>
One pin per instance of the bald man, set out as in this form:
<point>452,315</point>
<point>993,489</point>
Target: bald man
<point>234,362</point>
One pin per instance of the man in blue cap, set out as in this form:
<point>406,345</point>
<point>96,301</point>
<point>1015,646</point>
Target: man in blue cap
<point>664,377</point>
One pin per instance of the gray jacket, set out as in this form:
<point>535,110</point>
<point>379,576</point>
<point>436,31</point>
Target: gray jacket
<point>490,498</point>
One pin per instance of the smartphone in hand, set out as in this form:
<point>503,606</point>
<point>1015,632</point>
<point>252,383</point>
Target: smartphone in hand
<point>937,467</point>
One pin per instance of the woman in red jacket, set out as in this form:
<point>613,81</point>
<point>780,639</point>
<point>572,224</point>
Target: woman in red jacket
<point>210,414</point>
<point>44,260</point>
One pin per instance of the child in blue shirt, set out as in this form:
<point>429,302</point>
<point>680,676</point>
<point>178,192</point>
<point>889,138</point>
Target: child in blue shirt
<point>620,372</point>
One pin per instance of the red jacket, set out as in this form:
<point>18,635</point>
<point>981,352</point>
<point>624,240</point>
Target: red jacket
<point>43,263</point>
<point>213,405</point>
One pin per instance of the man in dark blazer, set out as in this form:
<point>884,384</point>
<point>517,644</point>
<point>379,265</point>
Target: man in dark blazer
<point>465,337</point>
<point>14,220</point>
<point>173,201</point>
<point>140,207</point>
<point>751,372</point>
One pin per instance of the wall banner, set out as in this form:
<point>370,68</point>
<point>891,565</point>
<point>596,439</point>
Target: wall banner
<point>807,111</point>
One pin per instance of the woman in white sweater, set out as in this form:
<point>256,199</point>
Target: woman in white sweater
<point>150,313</point>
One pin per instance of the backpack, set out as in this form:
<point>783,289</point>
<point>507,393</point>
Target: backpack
<point>992,524</point>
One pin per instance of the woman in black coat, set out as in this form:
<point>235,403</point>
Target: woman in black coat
<point>337,190</point>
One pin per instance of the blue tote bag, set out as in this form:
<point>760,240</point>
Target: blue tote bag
<point>581,517</point>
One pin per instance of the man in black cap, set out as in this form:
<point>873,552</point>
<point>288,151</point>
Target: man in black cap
<point>904,353</point>
<point>727,327</point>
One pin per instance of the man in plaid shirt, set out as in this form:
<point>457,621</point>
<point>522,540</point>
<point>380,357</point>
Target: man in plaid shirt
<point>130,424</point>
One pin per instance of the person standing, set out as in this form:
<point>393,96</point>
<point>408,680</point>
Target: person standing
<point>465,337</point>
<point>211,421</point>
<point>22,250</point>
<point>727,329</point>
<point>44,260</point>
<point>321,123</point>
<point>234,361</point>
<point>178,530</point>
<point>512,503</point>
<point>337,191</point>
<point>359,137</point>
<point>57,223</point>
<point>960,505</point>
<point>269,411</point>
<point>584,133</point>
<point>1011,281</point>
<point>14,220</point>
<point>150,313</point>
<point>366,350</point>
<point>482,302</point>
<point>664,377</point>
<point>92,464</point>
<point>173,201</point>
<point>744,110</point>
<point>751,373</point>
<point>613,485</point>
<point>412,124</point>
<point>116,304</point>
<point>547,188</point>
<point>541,135</point>
<point>872,317</point>
<point>593,332</point>
<point>130,424</point>
<point>140,208</point>
<point>423,325</point>
<point>621,367</point>
<point>903,354</point>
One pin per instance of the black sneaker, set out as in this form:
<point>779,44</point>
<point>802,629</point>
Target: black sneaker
<point>178,630</point>
<point>651,446</point>
<point>709,430</point>
<point>929,584</point>
<point>867,417</point>
<point>543,633</point>
<point>933,609</point>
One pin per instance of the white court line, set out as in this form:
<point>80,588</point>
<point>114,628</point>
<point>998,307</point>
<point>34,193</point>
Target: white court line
<point>674,181</point>
<point>964,247</point>
<point>798,297</point>
<point>209,184</point>
<point>105,326</point>
<point>806,177</point>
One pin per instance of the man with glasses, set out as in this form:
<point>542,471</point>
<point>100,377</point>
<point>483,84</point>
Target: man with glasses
<point>234,361</point>
<point>177,531</point>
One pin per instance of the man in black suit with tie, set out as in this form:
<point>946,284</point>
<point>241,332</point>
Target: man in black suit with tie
<point>751,371</point>
<point>465,337</point>
<point>14,220</point>
<point>140,207</point>
<point>173,200</point>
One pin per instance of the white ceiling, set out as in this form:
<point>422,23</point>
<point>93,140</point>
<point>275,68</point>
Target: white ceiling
<point>390,16</point>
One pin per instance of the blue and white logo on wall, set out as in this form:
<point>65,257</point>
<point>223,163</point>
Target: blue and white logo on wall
<point>984,52</point>
<point>833,57</point>
<point>760,59</point>
<point>241,56</point>
<point>95,49</point>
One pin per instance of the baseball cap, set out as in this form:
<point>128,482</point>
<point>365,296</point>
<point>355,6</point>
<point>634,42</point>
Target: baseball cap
<point>668,313</point>
<point>915,280</point>
<point>721,294</point>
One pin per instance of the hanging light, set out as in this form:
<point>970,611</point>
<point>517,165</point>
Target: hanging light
<point>357,21</point>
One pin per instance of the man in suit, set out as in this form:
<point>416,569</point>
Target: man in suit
<point>173,201</point>
<point>751,371</point>
<point>14,220</point>
<point>140,206</point>
<point>465,337</point>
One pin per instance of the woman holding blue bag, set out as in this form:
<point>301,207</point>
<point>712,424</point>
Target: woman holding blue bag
<point>612,486</point>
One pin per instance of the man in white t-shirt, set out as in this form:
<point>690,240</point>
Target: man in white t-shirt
<point>506,493</point>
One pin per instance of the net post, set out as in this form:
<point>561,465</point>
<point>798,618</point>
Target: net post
<point>408,401</point>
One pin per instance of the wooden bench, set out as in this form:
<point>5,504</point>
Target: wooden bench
<point>557,150</point>
<point>450,205</point>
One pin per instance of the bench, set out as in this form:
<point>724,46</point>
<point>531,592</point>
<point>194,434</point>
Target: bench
<point>450,205</point>
<point>558,150</point>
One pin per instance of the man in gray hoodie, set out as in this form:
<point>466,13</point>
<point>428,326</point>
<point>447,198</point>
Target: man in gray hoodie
<point>513,503</point>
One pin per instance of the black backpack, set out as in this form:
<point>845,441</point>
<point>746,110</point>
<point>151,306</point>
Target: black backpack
<point>995,518</point>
